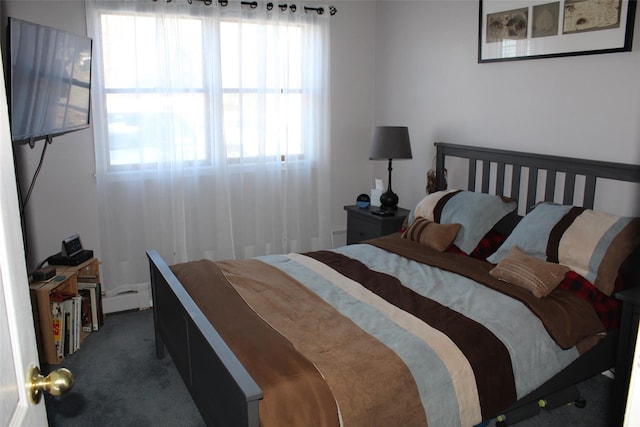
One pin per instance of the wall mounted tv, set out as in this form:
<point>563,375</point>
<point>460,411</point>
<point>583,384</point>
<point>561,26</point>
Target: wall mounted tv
<point>50,81</point>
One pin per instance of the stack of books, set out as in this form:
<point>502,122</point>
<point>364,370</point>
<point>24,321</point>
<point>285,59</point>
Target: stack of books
<point>92,316</point>
<point>74,316</point>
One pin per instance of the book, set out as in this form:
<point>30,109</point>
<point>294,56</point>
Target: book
<point>77,321</point>
<point>85,315</point>
<point>57,319</point>
<point>94,295</point>
<point>71,311</point>
<point>67,333</point>
<point>99,304</point>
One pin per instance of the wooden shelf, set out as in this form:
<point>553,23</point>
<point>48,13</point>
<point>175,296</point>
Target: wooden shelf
<point>64,282</point>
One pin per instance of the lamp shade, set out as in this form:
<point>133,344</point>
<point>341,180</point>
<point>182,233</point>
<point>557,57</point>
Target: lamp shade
<point>390,142</point>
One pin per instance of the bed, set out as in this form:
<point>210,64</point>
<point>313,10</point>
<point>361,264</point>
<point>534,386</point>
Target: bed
<point>460,318</point>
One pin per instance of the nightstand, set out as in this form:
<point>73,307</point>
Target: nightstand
<point>362,224</point>
<point>626,344</point>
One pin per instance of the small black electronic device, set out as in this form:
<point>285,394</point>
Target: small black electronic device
<point>71,246</point>
<point>71,253</point>
<point>382,212</point>
<point>44,273</point>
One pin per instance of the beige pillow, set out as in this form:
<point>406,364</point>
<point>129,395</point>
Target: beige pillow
<point>528,272</point>
<point>432,234</point>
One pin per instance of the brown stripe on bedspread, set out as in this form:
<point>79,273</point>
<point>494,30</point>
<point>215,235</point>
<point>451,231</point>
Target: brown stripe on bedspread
<point>364,375</point>
<point>295,393</point>
<point>568,319</point>
<point>485,353</point>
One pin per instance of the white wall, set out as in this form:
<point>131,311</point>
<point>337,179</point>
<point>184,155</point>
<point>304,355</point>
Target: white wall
<point>63,201</point>
<point>418,61</point>
<point>427,77</point>
<point>352,74</point>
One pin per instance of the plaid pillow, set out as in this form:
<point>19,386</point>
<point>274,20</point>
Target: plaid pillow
<point>608,308</point>
<point>487,246</point>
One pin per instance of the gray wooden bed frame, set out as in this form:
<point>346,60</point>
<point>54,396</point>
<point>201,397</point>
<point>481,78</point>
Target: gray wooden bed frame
<point>223,390</point>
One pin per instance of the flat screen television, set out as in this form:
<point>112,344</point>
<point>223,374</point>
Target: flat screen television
<point>49,81</point>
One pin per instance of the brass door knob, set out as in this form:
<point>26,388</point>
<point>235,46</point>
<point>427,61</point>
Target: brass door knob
<point>57,383</point>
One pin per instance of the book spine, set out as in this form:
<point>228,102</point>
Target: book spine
<point>94,303</point>
<point>77,313</point>
<point>58,327</point>
<point>87,321</point>
<point>67,332</point>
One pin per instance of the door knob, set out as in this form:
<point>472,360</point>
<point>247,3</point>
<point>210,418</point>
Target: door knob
<point>57,383</point>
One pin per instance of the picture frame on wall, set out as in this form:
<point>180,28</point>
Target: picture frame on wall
<point>531,29</point>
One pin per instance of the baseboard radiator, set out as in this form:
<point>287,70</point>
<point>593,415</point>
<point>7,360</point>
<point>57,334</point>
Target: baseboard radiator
<point>127,297</point>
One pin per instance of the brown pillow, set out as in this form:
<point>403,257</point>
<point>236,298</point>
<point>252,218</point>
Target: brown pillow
<point>431,234</point>
<point>528,272</point>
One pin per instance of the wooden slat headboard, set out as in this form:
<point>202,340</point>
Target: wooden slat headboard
<point>498,161</point>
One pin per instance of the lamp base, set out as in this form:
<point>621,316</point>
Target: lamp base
<point>389,201</point>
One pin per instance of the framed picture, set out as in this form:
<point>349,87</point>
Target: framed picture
<point>529,29</point>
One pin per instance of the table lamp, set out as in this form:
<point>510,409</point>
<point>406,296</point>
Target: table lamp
<point>390,142</point>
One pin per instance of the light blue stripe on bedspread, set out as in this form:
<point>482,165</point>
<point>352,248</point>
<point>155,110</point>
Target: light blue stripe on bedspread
<point>425,366</point>
<point>534,354</point>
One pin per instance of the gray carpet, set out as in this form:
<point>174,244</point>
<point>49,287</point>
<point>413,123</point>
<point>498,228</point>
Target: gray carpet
<point>119,382</point>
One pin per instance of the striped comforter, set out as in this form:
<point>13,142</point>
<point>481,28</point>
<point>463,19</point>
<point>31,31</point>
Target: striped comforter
<point>372,334</point>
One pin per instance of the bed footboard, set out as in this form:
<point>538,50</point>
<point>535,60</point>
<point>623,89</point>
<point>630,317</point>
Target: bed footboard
<point>222,389</point>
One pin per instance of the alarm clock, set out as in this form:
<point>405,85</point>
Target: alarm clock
<point>71,246</point>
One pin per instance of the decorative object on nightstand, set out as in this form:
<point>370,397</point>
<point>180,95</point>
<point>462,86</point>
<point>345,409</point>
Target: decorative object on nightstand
<point>363,224</point>
<point>390,142</point>
<point>363,201</point>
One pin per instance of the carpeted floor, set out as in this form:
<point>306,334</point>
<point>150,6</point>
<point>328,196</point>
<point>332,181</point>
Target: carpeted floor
<point>119,382</point>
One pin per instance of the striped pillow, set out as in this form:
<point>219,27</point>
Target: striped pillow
<point>528,272</point>
<point>477,213</point>
<point>593,244</point>
<point>431,234</point>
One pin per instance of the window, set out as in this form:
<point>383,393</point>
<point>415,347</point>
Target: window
<point>279,111</point>
<point>155,112</point>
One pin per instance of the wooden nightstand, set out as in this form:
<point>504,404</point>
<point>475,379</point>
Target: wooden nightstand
<point>363,225</point>
<point>626,344</point>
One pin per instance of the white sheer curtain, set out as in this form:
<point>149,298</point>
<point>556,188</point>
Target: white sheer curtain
<point>211,128</point>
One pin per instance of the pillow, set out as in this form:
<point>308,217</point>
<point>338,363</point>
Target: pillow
<point>488,245</point>
<point>431,234</point>
<point>477,213</point>
<point>532,232</point>
<point>591,243</point>
<point>608,308</point>
<point>528,272</point>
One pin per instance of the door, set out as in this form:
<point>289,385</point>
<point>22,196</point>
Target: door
<point>17,334</point>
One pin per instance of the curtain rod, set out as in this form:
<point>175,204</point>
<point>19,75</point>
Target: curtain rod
<point>283,6</point>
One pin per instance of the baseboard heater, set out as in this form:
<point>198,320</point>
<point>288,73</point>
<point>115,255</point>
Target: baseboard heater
<point>127,297</point>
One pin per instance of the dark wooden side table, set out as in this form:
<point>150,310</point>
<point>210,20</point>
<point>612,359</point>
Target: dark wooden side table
<point>627,342</point>
<point>362,224</point>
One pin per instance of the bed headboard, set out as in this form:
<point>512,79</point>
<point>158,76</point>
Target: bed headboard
<point>497,164</point>
<point>500,172</point>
